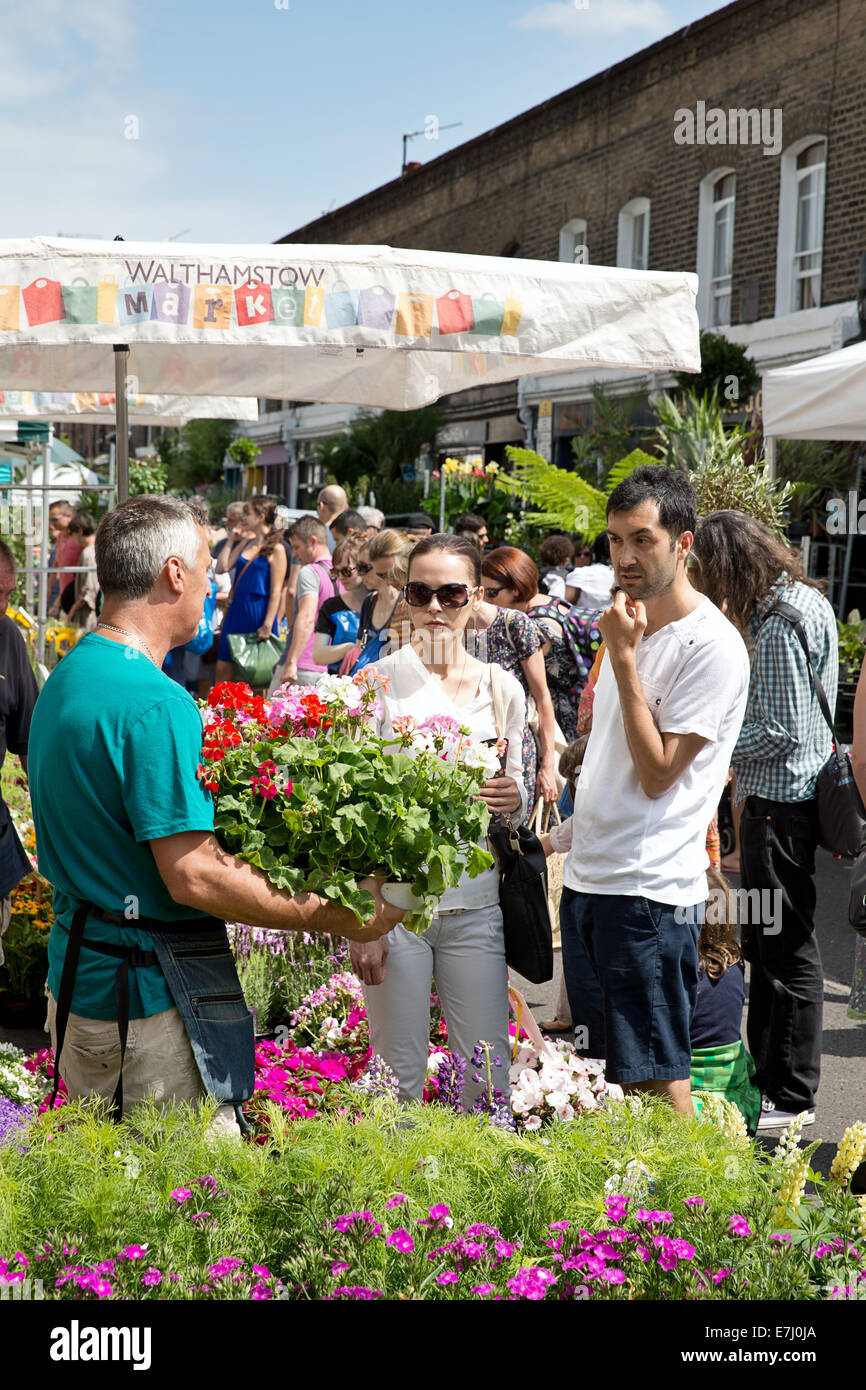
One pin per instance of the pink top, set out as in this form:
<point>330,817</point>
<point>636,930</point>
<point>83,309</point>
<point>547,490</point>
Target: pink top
<point>68,553</point>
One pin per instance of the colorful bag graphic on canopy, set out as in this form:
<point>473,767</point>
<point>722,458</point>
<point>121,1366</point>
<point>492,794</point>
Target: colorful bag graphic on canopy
<point>376,307</point>
<point>10,299</point>
<point>489,313</point>
<point>43,302</point>
<point>170,303</point>
<point>212,307</point>
<point>414,315</point>
<point>106,299</point>
<point>80,301</point>
<point>253,304</point>
<point>454,312</point>
<point>512,316</point>
<point>341,306</point>
<point>134,304</point>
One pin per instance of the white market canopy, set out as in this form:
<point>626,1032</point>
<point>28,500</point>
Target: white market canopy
<point>98,408</point>
<point>822,398</point>
<point>364,325</point>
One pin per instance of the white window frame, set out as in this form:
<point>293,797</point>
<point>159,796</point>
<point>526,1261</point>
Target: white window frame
<point>572,236</point>
<point>706,243</point>
<point>786,241</point>
<point>628,215</point>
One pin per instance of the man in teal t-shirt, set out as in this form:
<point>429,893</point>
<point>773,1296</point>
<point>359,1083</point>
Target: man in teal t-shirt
<point>125,826</point>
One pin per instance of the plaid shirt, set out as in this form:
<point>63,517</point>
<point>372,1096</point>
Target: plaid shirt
<point>784,741</point>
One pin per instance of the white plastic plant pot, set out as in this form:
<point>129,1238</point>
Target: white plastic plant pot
<point>401,895</point>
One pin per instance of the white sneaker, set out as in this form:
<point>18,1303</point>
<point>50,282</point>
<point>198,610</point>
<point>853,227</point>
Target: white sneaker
<point>772,1117</point>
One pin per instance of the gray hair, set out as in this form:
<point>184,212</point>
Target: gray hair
<point>373,516</point>
<point>134,541</point>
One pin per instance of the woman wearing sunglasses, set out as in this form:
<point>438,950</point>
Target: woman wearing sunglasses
<point>380,569</point>
<point>434,675</point>
<point>515,642</point>
<point>336,631</point>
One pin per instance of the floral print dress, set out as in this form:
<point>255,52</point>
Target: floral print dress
<point>511,638</point>
<point>569,657</point>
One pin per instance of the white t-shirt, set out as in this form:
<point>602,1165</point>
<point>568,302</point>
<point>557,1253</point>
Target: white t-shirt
<point>695,676</point>
<point>414,691</point>
<point>595,583</point>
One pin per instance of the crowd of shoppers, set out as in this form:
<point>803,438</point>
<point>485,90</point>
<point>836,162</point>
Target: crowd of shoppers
<point>655,657</point>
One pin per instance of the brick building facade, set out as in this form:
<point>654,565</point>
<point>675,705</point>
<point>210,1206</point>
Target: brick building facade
<point>605,172</point>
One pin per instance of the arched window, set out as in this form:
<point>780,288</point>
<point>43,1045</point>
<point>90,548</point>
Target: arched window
<point>573,245</point>
<point>632,239</point>
<point>801,225</point>
<point>716,207</point>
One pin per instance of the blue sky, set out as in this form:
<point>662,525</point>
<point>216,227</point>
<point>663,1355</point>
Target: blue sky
<point>238,120</point>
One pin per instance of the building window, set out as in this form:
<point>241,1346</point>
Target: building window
<point>810,226</point>
<point>716,207</point>
<point>801,226</point>
<point>573,245</point>
<point>632,241</point>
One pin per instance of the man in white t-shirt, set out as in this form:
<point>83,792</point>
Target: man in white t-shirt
<point>667,710</point>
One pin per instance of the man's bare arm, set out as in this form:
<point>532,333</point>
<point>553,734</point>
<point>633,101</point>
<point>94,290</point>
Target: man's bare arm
<point>199,873</point>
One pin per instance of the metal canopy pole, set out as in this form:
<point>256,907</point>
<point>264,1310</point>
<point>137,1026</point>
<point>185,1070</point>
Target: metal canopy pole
<point>44,548</point>
<point>121,365</point>
<point>28,531</point>
<point>442,500</point>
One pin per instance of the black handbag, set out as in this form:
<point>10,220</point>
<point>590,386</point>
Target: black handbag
<point>523,896</point>
<point>841,816</point>
<point>857,895</point>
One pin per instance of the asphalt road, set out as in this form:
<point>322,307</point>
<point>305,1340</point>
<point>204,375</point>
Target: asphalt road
<point>842,1093</point>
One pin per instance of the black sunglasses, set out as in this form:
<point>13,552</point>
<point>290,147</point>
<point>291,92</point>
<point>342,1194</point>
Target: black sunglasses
<point>363,567</point>
<point>345,573</point>
<point>419,595</point>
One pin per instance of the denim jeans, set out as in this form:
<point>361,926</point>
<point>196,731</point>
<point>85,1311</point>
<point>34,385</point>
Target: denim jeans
<point>201,974</point>
<point>581,981</point>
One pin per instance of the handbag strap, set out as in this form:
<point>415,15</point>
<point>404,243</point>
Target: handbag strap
<point>498,701</point>
<point>236,583</point>
<point>792,615</point>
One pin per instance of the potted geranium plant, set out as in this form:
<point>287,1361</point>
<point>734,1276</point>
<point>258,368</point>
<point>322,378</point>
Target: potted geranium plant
<point>307,792</point>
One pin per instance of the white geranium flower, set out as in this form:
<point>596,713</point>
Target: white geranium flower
<point>532,1122</point>
<point>339,690</point>
<point>478,757</point>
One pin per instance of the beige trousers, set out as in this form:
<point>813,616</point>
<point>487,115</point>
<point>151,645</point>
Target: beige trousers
<point>159,1064</point>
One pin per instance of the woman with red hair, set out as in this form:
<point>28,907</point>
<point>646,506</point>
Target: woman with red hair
<point>515,642</point>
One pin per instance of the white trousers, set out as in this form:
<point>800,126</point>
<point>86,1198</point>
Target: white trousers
<point>466,952</point>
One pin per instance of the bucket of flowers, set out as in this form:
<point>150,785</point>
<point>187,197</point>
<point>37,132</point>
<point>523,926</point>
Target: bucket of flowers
<point>307,791</point>
<point>24,954</point>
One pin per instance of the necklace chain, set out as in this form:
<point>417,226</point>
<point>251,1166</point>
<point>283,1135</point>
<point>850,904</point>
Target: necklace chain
<point>134,635</point>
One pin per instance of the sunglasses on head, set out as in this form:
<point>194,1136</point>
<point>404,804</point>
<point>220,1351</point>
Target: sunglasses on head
<point>419,595</point>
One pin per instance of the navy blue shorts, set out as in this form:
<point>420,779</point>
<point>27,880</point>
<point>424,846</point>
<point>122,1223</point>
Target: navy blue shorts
<point>645,955</point>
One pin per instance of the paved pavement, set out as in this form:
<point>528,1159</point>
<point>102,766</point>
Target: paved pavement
<point>842,1094</point>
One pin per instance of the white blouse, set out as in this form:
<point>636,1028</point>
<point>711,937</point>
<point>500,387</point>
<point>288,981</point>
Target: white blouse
<point>415,692</point>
